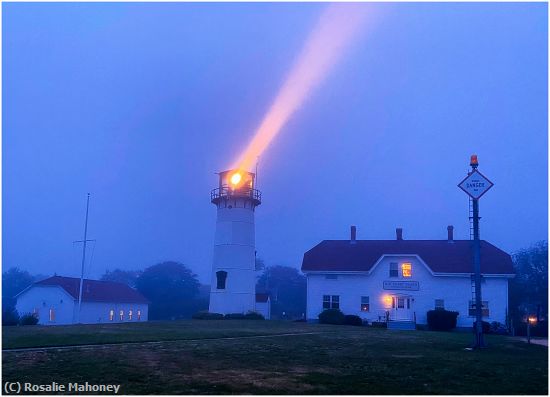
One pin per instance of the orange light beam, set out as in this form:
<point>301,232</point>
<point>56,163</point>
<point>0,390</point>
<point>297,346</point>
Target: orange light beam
<point>334,31</point>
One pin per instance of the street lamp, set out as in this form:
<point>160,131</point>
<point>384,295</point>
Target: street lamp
<point>531,320</point>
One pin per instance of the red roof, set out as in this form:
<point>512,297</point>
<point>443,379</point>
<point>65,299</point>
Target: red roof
<point>95,290</point>
<point>442,256</point>
<point>262,297</point>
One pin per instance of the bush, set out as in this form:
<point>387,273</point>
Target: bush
<point>207,316</point>
<point>28,319</point>
<point>350,319</point>
<point>331,316</point>
<point>234,316</point>
<point>379,324</point>
<point>10,316</point>
<point>485,327</point>
<point>498,328</point>
<point>253,316</point>
<point>442,320</point>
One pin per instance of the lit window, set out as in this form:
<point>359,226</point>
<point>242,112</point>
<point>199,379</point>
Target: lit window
<point>331,301</point>
<point>439,304</point>
<point>406,269</point>
<point>365,307</point>
<point>121,314</point>
<point>393,270</point>
<point>130,315</point>
<point>139,315</point>
<point>52,314</point>
<point>111,315</point>
<point>484,308</point>
<point>221,277</point>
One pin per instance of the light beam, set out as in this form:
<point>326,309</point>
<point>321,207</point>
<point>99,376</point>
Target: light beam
<point>335,29</point>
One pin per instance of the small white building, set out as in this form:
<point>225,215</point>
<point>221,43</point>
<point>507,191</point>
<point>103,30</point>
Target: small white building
<point>401,280</point>
<point>55,302</point>
<point>263,305</point>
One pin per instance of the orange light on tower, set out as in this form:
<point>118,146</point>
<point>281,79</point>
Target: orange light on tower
<point>236,178</point>
<point>473,160</point>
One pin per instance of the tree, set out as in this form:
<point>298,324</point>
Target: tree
<point>529,289</point>
<point>172,289</point>
<point>287,289</point>
<point>14,281</point>
<point>128,277</point>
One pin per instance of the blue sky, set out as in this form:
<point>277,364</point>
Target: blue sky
<point>139,104</point>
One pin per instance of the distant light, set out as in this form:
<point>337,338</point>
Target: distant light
<point>532,320</point>
<point>236,178</point>
<point>473,160</point>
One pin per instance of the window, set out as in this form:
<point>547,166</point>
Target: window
<point>406,270</point>
<point>331,276</point>
<point>393,270</point>
<point>139,315</point>
<point>484,308</point>
<point>130,315</point>
<point>439,304</point>
<point>121,314</point>
<point>221,277</point>
<point>365,307</point>
<point>331,301</point>
<point>400,303</point>
<point>111,315</point>
<point>52,314</point>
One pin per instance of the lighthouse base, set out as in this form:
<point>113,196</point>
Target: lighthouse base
<point>225,303</point>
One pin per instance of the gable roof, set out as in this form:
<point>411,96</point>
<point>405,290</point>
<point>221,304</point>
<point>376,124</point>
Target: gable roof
<point>262,297</point>
<point>442,256</point>
<point>95,290</point>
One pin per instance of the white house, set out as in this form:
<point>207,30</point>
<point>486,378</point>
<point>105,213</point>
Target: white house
<point>55,302</point>
<point>400,280</point>
<point>263,305</point>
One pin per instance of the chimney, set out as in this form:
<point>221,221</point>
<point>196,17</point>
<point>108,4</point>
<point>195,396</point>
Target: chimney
<point>399,233</point>
<point>353,234</point>
<point>450,233</point>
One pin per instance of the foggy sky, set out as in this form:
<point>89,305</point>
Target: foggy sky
<point>139,104</point>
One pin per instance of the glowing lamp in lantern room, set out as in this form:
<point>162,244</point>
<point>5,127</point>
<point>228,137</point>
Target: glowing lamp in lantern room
<point>236,178</point>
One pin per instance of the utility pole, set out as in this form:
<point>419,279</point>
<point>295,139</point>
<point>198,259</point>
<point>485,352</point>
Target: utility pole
<point>84,242</point>
<point>476,185</point>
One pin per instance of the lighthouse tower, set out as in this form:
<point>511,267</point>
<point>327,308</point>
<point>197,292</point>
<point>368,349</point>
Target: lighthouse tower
<point>233,282</point>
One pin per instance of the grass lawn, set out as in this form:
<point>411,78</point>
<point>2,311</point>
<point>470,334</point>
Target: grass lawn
<point>335,360</point>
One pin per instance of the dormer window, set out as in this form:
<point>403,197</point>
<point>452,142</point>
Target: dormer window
<point>406,270</point>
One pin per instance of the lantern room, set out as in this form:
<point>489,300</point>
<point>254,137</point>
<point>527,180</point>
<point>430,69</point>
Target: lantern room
<point>236,186</point>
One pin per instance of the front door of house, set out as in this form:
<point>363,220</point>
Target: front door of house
<point>401,308</point>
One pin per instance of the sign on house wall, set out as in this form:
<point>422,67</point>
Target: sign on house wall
<point>401,285</point>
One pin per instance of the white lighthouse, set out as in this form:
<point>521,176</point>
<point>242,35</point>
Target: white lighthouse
<point>233,282</point>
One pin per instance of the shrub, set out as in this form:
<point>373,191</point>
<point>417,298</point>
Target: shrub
<point>331,316</point>
<point>207,316</point>
<point>498,328</point>
<point>10,316</point>
<point>28,319</point>
<point>253,316</point>
<point>350,319</point>
<point>442,320</point>
<point>234,316</point>
<point>379,324</point>
<point>485,327</point>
